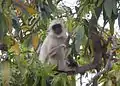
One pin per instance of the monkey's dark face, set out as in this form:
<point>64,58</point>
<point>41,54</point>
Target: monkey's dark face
<point>57,28</point>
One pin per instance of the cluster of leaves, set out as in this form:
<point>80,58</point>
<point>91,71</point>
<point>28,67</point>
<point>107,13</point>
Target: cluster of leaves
<point>26,69</point>
<point>23,25</point>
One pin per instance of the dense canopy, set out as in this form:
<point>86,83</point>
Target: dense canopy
<point>95,48</point>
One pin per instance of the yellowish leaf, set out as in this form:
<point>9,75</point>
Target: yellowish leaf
<point>20,4</point>
<point>30,10</point>
<point>35,40</point>
<point>8,22</point>
<point>25,27</point>
<point>18,11</point>
<point>118,51</point>
<point>15,48</point>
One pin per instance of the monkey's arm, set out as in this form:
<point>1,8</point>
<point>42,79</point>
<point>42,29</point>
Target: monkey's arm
<point>60,52</point>
<point>53,50</point>
<point>43,51</point>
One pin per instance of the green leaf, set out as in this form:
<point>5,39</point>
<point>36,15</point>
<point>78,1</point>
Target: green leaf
<point>45,11</point>
<point>109,83</point>
<point>8,40</point>
<point>15,48</point>
<point>6,3</point>
<point>3,26</point>
<point>51,5</point>
<point>111,26</point>
<point>28,41</point>
<point>9,23</point>
<point>115,7</point>
<point>79,37</point>
<point>70,24</point>
<point>99,2</point>
<point>48,11</point>
<point>105,16</point>
<point>108,6</point>
<point>6,73</point>
<point>86,24</point>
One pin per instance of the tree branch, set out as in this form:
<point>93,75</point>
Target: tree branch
<point>97,47</point>
<point>109,63</point>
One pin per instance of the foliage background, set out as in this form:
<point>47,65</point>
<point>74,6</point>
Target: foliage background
<point>23,25</point>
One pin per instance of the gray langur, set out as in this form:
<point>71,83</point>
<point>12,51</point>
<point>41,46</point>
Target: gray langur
<point>53,49</point>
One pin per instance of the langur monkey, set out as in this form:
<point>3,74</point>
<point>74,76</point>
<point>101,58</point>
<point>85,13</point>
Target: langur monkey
<point>53,48</point>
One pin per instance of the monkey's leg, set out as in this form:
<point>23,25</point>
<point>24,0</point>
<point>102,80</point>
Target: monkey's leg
<point>62,65</point>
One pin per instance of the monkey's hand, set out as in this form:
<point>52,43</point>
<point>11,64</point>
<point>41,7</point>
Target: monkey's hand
<point>52,53</point>
<point>54,50</point>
